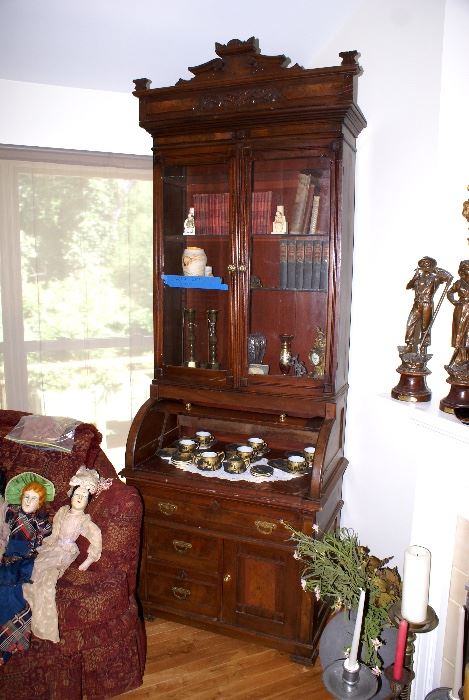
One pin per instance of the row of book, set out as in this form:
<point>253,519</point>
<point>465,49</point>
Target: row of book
<point>304,218</point>
<point>211,213</point>
<point>304,264</point>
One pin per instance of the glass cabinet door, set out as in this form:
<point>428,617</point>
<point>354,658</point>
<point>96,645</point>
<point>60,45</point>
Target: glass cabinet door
<point>195,256</point>
<point>290,265</point>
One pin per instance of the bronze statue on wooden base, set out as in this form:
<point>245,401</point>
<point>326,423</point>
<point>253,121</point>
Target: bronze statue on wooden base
<point>458,367</point>
<point>413,369</point>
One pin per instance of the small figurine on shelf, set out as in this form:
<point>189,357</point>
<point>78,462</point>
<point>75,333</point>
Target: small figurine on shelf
<point>279,224</point>
<point>189,223</point>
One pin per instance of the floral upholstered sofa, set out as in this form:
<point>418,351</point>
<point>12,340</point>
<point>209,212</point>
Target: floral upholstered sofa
<point>101,652</point>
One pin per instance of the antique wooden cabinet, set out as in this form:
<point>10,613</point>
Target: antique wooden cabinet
<point>253,164</point>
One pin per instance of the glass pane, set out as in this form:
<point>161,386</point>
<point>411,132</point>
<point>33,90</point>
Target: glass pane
<point>196,255</point>
<point>87,297</point>
<point>290,263</point>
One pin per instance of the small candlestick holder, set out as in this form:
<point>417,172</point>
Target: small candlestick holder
<point>398,686</point>
<point>212,339</point>
<point>429,624</point>
<point>443,694</point>
<point>343,684</point>
<point>189,323</point>
<point>285,353</point>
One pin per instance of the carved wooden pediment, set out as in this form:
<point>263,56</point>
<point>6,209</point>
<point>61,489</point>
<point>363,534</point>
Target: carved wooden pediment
<point>238,59</point>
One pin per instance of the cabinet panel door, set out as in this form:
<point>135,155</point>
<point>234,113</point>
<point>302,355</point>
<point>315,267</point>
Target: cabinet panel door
<point>194,252</point>
<point>289,238</point>
<point>260,589</point>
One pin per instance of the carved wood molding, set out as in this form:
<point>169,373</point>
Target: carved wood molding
<point>236,100</point>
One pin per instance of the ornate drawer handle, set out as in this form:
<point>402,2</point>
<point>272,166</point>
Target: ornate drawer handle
<point>265,527</point>
<point>181,546</point>
<point>167,508</point>
<point>181,593</point>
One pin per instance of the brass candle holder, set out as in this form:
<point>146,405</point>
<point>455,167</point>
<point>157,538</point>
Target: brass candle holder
<point>212,339</point>
<point>429,624</point>
<point>398,686</point>
<point>189,325</point>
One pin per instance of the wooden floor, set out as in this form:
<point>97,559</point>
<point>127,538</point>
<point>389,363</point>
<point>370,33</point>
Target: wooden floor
<point>185,663</point>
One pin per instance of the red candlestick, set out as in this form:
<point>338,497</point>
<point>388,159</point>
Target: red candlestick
<point>400,650</point>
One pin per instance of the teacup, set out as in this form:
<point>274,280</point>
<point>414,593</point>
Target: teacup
<point>246,453</point>
<point>204,438</point>
<point>308,454</point>
<point>296,463</point>
<point>235,465</point>
<point>186,445</point>
<point>209,461</point>
<point>258,445</point>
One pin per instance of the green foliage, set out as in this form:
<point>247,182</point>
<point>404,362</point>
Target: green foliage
<point>336,566</point>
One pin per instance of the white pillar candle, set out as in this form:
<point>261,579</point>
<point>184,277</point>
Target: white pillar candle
<point>415,584</point>
<point>458,659</point>
<point>351,664</point>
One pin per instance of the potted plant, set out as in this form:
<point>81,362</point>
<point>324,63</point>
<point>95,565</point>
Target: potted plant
<point>336,567</point>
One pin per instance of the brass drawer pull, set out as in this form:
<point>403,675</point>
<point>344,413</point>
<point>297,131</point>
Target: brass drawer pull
<point>167,508</point>
<point>265,527</point>
<point>181,546</point>
<point>180,593</point>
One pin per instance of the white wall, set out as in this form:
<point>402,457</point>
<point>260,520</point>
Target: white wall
<point>412,172</point>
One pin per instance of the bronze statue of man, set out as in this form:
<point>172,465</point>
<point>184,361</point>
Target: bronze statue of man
<point>425,282</point>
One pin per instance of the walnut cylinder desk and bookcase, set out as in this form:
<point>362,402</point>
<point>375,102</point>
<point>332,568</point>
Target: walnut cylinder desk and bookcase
<point>245,136</point>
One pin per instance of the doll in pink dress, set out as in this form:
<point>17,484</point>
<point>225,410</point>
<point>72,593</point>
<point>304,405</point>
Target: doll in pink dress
<point>69,523</point>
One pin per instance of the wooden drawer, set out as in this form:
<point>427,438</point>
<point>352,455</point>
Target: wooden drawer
<point>182,547</point>
<point>187,593</point>
<point>222,515</point>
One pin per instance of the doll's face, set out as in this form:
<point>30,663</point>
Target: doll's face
<point>30,501</point>
<point>79,499</point>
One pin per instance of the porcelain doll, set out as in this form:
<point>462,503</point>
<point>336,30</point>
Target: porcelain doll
<point>26,524</point>
<point>60,551</point>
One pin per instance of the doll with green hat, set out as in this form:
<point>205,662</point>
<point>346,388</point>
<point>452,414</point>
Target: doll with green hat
<point>26,523</point>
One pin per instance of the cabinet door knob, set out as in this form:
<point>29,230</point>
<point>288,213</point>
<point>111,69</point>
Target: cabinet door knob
<point>167,508</point>
<point>181,546</point>
<point>265,527</point>
<point>181,593</point>
<point>242,268</point>
<point>227,578</point>
<point>231,268</point>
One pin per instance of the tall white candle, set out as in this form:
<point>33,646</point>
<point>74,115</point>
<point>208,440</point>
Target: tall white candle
<point>458,659</point>
<point>415,584</point>
<point>351,664</point>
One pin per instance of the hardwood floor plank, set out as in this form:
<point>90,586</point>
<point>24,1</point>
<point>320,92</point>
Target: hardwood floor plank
<point>187,663</point>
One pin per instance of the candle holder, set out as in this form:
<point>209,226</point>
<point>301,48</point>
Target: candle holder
<point>443,694</point>
<point>429,624</point>
<point>189,325</point>
<point>343,684</point>
<point>212,339</point>
<point>397,687</point>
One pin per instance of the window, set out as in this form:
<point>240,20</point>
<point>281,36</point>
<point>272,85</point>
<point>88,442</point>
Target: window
<point>76,287</point>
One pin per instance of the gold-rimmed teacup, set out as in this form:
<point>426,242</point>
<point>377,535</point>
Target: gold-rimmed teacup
<point>258,445</point>
<point>204,438</point>
<point>308,454</point>
<point>187,445</point>
<point>246,453</point>
<point>296,463</point>
<point>209,461</point>
<point>235,465</point>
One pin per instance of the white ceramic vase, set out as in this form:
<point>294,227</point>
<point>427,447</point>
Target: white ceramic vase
<point>194,261</point>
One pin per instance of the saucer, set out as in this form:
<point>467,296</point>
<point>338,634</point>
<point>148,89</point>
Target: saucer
<point>261,470</point>
<point>181,459</point>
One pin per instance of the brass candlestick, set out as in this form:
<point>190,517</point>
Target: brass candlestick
<point>429,624</point>
<point>189,323</point>
<point>212,339</point>
<point>398,687</point>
